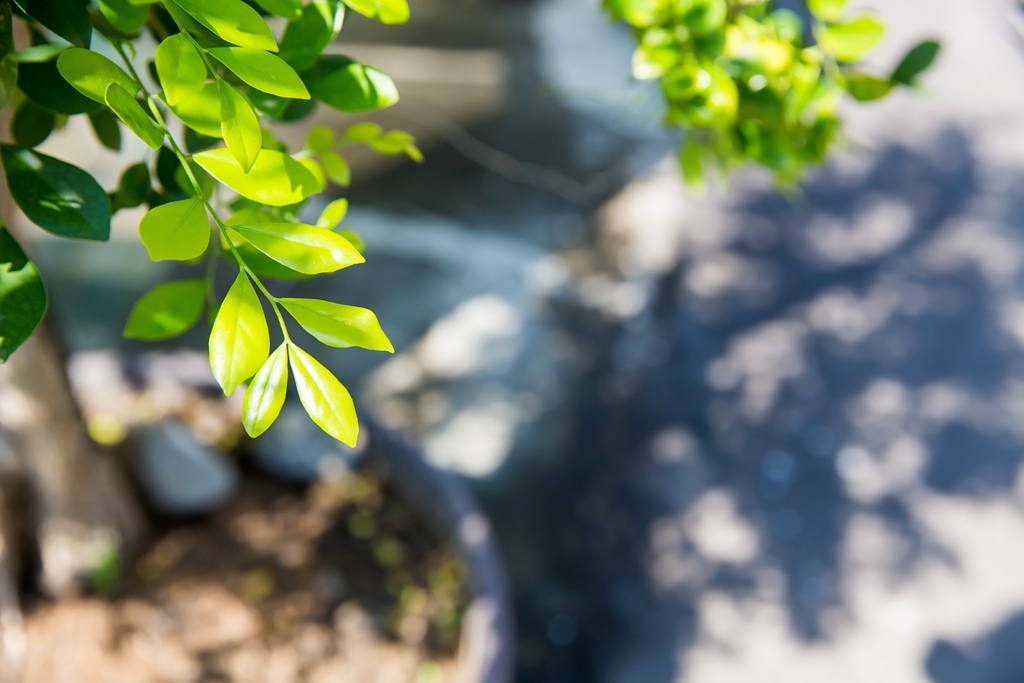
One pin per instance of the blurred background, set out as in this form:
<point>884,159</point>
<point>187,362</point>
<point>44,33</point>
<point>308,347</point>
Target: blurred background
<point>721,438</point>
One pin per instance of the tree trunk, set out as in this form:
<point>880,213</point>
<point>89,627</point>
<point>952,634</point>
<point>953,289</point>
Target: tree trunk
<point>80,506</point>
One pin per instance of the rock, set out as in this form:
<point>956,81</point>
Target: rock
<point>179,475</point>
<point>296,449</point>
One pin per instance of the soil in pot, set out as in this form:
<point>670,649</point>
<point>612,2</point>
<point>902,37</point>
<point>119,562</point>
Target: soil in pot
<point>338,582</point>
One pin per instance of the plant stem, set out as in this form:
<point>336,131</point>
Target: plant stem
<point>184,161</point>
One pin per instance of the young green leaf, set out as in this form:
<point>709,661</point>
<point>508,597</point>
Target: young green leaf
<point>266,393</point>
<point>337,168</point>
<point>866,88</point>
<point>178,231</point>
<point>289,9</point>
<point>346,85</point>
<point>232,20</point>
<point>39,53</point>
<point>22,296</point>
<point>125,16</point>
<point>304,248</point>
<point>692,160</point>
<point>851,41</point>
<point>107,128</point>
<point>262,70</point>
<point>333,214</point>
<point>131,113</point>
<point>384,11</point>
<point>90,73</point>
<point>166,311</point>
<point>180,67</point>
<point>319,138</point>
<point>275,179</point>
<point>69,19</point>
<point>339,325</point>
<point>916,62</point>
<point>56,196</point>
<point>827,10</point>
<point>200,111</point>
<point>325,399</point>
<point>240,341</point>
<point>354,239</point>
<point>240,126</point>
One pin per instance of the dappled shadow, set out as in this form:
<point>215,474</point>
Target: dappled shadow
<point>874,359</point>
<point>994,658</point>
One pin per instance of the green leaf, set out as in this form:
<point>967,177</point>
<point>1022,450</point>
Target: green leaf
<point>69,19</point>
<point>289,9</point>
<point>56,196</point>
<point>325,399</point>
<point>240,127</point>
<point>853,40</point>
<point>134,187</point>
<point>916,62</point>
<point>384,11</point>
<point>107,128</point>
<point>39,53</point>
<point>692,160</point>
<point>827,10</point>
<point>232,20</point>
<point>319,138</point>
<point>32,124</point>
<point>166,311</point>
<point>339,325</point>
<point>866,88</point>
<point>43,84</point>
<point>337,168</point>
<point>636,12</point>
<point>266,393</point>
<point>201,111</point>
<point>333,214</point>
<point>22,296</point>
<point>178,231</point>
<point>180,67</point>
<point>240,341</point>
<point>346,85</point>
<point>262,70</point>
<point>125,16</point>
<point>91,73</point>
<point>354,239</point>
<point>134,116</point>
<point>304,248</point>
<point>275,179</point>
<point>306,37</point>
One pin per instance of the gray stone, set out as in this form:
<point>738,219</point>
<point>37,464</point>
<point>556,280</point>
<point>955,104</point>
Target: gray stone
<point>179,475</point>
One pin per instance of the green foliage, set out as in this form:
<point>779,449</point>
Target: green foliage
<point>166,311</point>
<point>218,74</point>
<point>55,195</point>
<point>739,78</point>
<point>22,296</point>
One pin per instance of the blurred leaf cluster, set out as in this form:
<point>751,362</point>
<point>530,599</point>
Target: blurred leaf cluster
<point>755,84</point>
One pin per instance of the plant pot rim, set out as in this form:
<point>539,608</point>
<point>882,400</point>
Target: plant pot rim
<point>449,509</point>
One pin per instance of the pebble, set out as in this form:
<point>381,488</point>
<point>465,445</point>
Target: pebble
<point>180,476</point>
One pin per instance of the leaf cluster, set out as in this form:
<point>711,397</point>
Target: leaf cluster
<point>218,187</point>
<point>753,84</point>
